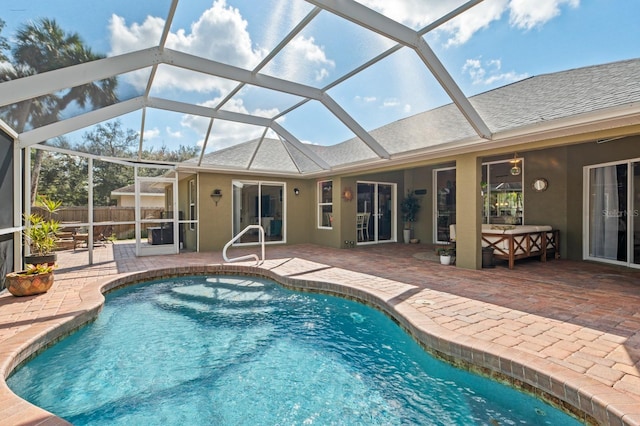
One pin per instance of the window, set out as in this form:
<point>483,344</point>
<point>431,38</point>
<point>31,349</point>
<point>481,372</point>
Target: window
<point>502,193</point>
<point>445,203</point>
<point>192,204</point>
<point>502,196</point>
<point>325,204</point>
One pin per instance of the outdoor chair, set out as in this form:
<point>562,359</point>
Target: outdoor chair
<point>100,234</point>
<point>362,226</point>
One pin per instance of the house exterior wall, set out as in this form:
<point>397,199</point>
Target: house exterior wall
<point>153,201</point>
<point>329,237</point>
<point>215,222</point>
<point>421,178</point>
<point>586,155</point>
<point>468,208</point>
<point>559,206</point>
<point>348,209</point>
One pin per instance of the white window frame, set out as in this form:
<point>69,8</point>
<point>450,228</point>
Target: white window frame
<point>236,204</point>
<point>192,204</point>
<point>587,218</point>
<point>322,204</point>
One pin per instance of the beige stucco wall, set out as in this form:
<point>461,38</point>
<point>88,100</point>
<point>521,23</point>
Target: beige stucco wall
<point>559,206</point>
<point>586,155</point>
<point>215,222</point>
<point>328,237</point>
<point>145,201</point>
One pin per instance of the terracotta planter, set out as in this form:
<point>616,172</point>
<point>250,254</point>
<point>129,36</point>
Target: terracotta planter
<point>20,284</point>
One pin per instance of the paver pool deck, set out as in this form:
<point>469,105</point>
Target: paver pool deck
<point>565,330</point>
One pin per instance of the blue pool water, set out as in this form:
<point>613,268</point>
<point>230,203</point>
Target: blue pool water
<point>245,351</point>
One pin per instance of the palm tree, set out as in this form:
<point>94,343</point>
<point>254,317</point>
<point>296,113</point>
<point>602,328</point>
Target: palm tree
<point>43,46</point>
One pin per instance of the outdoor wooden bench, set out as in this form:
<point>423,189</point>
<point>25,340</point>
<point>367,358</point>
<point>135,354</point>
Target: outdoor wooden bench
<point>513,242</point>
<point>521,241</point>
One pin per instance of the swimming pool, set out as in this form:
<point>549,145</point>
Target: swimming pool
<point>239,350</point>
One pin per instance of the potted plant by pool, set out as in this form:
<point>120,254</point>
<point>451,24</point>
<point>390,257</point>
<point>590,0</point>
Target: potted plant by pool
<point>409,208</point>
<point>36,279</point>
<point>41,233</point>
<point>446,253</point>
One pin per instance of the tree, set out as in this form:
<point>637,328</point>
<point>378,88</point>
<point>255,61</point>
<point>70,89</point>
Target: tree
<point>4,45</point>
<point>64,176</point>
<point>111,140</point>
<point>43,46</point>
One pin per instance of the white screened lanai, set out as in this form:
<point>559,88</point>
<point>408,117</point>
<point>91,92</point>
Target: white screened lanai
<point>298,88</point>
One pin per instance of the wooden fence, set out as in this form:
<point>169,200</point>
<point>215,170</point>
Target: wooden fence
<point>71,216</point>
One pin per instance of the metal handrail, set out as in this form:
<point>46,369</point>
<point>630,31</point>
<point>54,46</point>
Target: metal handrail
<point>248,256</point>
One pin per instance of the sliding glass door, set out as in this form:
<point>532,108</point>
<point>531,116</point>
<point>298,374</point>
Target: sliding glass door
<point>445,203</point>
<point>259,203</point>
<point>612,203</point>
<point>376,216</point>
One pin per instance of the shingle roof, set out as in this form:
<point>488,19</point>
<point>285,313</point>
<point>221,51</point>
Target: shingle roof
<point>559,95</point>
<point>531,101</point>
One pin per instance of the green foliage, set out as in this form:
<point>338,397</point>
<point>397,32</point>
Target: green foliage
<point>409,207</point>
<point>42,233</point>
<point>446,251</point>
<point>4,45</point>
<point>40,46</point>
<point>41,268</point>
<point>64,176</point>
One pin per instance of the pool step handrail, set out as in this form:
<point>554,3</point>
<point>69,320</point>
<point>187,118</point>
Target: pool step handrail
<point>259,260</point>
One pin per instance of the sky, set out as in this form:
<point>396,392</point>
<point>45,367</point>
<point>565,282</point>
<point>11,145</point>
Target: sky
<point>496,43</point>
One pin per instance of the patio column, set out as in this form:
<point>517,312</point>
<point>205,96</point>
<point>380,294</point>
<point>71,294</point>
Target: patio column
<point>468,212</point>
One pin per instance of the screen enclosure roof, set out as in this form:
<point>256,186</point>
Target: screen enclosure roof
<point>295,87</point>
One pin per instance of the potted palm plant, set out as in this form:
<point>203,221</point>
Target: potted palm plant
<point>409,208</point>
<point>41,235</point>
<point>36,279</point>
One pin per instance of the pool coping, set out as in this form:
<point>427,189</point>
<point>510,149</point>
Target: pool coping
<point>587,399</point>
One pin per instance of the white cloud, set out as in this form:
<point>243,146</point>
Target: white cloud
<point>526,14</point>
<point>151,133</point>
<point>365,99</point>
<point>227,133</point>
<point>220,34</point>
<point>464,26</point>
<point>523,14</point>
<point>172,134</point>
<point>303,60</point>
<point>490,72</point>
<point>390,103</point>
<point>413,13</point>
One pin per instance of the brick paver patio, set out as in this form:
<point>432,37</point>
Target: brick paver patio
<point>567,331</point>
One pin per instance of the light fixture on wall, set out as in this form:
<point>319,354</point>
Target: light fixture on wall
<point>296,191</point>
<point>216,194</point>
<point>515,169</point>
<point>347,194</point>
